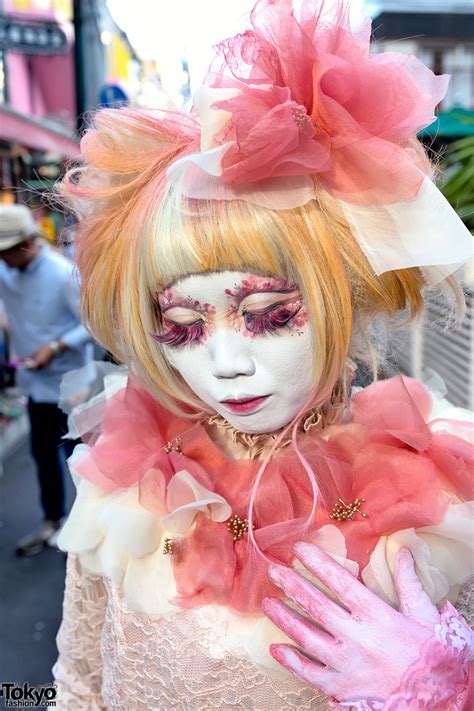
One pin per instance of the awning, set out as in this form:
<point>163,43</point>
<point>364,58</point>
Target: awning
<point>40,134</point>
<point>451,124</point>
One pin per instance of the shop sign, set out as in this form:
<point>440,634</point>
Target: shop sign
<point>32,37</point>
<point>113,96</point>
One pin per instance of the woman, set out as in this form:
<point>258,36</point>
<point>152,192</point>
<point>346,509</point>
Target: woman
<point>237,259</point>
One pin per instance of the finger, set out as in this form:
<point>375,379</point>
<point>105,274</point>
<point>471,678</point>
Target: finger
<point>414,601</point>
<point>313,641</point>
<point>307,596</point>
<point>312,673</point>
<point>352,593</point>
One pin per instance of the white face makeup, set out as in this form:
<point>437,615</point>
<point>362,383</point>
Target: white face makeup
<point>242,343</point>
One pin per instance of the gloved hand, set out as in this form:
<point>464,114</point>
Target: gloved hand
<point>366,652</point>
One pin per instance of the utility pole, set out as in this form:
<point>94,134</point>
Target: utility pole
<point>79,73</point>
<point>89,59</point>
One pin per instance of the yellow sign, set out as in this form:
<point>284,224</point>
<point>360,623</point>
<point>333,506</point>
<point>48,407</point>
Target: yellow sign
<point>59,7</point>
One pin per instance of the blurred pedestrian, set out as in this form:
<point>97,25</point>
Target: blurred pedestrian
<point>67,236</point>
<point>41,298</point>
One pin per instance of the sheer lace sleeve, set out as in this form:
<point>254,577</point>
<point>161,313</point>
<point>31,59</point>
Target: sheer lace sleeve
<point>442,678</point>
<point>78,669</point>
<point>465,602</point>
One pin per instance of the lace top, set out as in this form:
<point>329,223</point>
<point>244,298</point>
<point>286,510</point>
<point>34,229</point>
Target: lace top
<point>113,658</point>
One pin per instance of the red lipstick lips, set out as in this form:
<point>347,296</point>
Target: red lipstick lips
<point>244,405</point>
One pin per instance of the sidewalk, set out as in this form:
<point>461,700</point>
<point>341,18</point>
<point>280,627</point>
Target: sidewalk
<point>31,589</point>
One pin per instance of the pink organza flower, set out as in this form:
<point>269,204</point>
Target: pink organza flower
<point>313,99</point>
<point>272,136</point>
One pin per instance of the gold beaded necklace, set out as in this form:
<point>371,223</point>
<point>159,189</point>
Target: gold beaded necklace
<point>330,413</point>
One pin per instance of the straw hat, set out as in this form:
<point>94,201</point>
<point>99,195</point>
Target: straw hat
<point>16,225</point>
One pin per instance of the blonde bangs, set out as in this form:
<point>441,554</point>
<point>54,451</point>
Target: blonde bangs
<point>214,236</point>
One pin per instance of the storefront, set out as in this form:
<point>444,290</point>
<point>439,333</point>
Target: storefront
<point>37,141</point>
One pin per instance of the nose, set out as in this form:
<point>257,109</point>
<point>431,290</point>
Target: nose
<point>230,355</point>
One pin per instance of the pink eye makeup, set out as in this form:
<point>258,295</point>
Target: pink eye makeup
<point>181,334</point>
<point>257,284</point>
<point>272,318</point>
<point>266,305</point>
<point>168,299</point>
<point>255,306</point>
<point>183,319</point>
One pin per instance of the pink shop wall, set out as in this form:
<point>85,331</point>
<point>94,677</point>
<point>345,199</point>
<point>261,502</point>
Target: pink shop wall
<point>42,85</point>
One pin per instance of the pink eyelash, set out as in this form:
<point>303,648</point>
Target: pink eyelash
<point>179,335</point>
<point>271,319</point>
<point>267,321</point>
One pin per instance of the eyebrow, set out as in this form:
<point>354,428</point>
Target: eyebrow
<point>170,300</point>
<point>259,285</point>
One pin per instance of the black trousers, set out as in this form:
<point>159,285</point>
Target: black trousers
<point>47,424</point>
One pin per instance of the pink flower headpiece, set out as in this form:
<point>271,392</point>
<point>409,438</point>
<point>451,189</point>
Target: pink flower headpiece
<point>299,97</point>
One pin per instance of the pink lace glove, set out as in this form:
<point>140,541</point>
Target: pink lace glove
<point>369,656</point>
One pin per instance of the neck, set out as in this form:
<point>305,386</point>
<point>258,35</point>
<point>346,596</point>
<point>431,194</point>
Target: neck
<point>242,445</point>
<point>30,254</point>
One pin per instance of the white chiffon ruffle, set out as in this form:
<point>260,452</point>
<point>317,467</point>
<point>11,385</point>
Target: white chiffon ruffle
<point>443,556</point>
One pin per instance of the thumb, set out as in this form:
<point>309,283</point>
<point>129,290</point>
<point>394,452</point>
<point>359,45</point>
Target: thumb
<point>414,601</point>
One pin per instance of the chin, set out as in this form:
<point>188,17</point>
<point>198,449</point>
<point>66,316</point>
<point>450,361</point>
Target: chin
<point>258,423</point>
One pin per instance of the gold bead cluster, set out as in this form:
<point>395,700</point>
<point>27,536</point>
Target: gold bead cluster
<point>173,445</point>
<point>344,512</point>
<point>238,527</point>
<point>167,546</point>
<point>301,117</point>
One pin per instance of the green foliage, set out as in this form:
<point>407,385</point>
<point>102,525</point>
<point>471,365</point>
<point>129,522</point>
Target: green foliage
<point>458,182</point>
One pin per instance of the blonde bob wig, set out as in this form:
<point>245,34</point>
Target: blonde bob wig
<point>133,240</point>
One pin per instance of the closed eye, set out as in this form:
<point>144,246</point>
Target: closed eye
<point>180,334</point>
<point>272,318</point>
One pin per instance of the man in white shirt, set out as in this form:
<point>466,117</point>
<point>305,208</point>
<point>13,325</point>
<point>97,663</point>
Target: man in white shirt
<point>40,292</point>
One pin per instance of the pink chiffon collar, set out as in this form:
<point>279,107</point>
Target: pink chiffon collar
<point>406,469</point>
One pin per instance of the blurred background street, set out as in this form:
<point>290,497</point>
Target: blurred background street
<point>59,61</point>
<point>31,587</point>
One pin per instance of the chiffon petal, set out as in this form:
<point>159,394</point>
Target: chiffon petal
<point>405,470</point>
